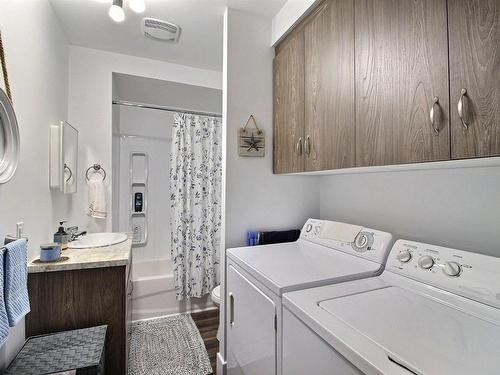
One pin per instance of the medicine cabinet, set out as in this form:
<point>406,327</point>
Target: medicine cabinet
<point>63,157</point>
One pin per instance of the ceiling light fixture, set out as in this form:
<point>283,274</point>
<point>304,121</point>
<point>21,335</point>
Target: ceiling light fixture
<point>137,6</point>
<point>116,11</point>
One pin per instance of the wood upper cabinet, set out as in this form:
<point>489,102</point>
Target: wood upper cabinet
<point>401,66</point>
<point>380,82</point>
<point>474,32</point>
<point>329,86</point>
<point>289,105</point>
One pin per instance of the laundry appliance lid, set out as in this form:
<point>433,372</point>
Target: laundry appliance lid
<point>302,264</point>
<point>421,333</point>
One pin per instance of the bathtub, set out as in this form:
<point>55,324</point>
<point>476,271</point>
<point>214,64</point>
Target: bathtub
<point>153,293</point>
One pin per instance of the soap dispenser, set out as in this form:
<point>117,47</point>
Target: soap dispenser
<point>61,237</point>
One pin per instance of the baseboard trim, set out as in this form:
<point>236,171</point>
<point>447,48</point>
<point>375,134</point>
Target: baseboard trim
<point>221,365</point>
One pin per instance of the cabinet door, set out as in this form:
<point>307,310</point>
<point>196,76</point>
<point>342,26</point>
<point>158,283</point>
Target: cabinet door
<point>401,66</point>
<point>329,87</point>
<point>251,335</point>
<point>474,29</point>
<point>289,105</point>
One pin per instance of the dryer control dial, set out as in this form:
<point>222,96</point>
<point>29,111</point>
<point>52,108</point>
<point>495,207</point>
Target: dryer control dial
<point>426,262</point>
<point>363,242</point>
<point>404,256</point>
<point>452,269</point>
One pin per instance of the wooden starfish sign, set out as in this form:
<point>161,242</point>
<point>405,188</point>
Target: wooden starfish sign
<point>251,140</point>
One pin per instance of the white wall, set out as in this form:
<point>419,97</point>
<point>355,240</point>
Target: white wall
<point>167,93</point>
<point>451,207</point>
<point>37,59</point>
<point>143,122</point>
<point>157,195</point>
<point>152,134</point>
<point>255,198</point>
<point>90,109</point>
<point>289,15</point>
<point>115,164</point>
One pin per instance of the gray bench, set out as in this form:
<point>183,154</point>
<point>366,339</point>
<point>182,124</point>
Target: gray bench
<point>80,352</point>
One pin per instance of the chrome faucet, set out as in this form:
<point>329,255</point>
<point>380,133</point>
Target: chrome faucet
<point>74,234</point>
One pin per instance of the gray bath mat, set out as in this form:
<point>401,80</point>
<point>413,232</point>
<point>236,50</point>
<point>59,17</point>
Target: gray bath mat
<point>167,346</point>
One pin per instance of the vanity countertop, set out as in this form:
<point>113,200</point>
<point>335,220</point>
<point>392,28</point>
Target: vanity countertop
<point>97,257</point>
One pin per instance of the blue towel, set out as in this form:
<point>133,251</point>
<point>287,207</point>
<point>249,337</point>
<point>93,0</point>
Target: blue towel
<point>4,320</point>
<point>17,302</point>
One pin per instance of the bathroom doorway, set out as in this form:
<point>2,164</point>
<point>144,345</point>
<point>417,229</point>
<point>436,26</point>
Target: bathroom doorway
<point>143,119</point>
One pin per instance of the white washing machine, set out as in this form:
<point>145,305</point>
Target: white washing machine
<point>433,311</point>
<point>326,253</point>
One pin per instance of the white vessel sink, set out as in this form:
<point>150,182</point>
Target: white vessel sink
<point>97,240</point>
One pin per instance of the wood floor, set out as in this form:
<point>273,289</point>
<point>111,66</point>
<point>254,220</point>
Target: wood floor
<point>208,323</point>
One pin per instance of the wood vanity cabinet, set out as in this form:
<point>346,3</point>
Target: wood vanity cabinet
<point>382,84</point>
<point>72,299</point>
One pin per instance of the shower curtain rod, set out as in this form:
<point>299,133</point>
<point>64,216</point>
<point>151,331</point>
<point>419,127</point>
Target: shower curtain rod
<point>164,108</point>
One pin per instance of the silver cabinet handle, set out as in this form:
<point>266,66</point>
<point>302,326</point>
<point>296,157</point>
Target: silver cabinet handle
<point>231,309</point>
<point>460,108</point>
<point>435,102</point>
<point>307,145</point>
<point>298,147</point>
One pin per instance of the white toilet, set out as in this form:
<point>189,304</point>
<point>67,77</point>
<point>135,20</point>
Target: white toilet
<point>215,295</point>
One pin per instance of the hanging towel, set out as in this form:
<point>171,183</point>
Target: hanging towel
<point>267,238</point>
<point>4,320</point>
<point>17,302</point>
<point>97,198</point>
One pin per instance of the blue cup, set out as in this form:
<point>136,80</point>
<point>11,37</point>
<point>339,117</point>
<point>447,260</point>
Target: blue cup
<point>50,252</point>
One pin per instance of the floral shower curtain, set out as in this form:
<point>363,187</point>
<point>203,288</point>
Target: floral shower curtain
<point>195,202</point>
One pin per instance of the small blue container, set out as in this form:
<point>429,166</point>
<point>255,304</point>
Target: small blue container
<point>252,238</point>
<point>50,252</point>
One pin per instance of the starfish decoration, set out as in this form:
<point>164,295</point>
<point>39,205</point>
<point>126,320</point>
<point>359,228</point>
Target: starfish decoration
<point>253,143</point>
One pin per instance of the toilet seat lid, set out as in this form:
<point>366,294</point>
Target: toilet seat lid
<point>216,292</point>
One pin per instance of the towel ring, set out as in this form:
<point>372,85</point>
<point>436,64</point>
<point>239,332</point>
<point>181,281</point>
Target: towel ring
<point>95,168</point>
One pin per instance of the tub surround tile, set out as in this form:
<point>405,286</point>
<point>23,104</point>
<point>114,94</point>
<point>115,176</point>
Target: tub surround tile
<point>107,256</point>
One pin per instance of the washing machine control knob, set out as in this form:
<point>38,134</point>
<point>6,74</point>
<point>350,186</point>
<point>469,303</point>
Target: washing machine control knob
<point>426,262</point>
<point>452,269</point>
<point>308,228</point>
<point>404,256</point>
<point>361,240</point>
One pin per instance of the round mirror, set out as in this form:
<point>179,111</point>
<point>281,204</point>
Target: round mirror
<point>9,139</point>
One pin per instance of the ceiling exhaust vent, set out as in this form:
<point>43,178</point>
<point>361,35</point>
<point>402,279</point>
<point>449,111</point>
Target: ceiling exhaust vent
<point>160,30</point>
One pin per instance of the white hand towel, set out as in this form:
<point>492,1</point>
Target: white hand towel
<point>97,198</point>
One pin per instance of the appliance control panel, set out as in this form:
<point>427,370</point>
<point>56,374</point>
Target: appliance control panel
<point>363,242</point>
<point>465,273</point>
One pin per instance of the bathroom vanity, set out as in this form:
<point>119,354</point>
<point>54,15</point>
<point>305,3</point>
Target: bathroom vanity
<point>92,287</point>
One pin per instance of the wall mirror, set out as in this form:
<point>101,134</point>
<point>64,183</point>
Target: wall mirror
<point>64,157</point>
<point>9,139</point>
